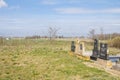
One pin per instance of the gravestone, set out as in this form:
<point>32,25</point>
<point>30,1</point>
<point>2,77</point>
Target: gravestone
<point>103,51</point>
<point>95,51</point>
<point>73,46</point>
<point>77,47</point>
<point>95,44</point>
<point>82,48</point>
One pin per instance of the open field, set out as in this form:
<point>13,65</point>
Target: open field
<point>44,60</point>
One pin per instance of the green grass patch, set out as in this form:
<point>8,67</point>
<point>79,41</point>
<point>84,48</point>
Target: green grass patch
<point>44,60</point>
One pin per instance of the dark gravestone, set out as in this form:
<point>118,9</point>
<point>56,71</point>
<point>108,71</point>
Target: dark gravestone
<point>95,53</point>
<point>73,46</point>
<point>103,51</point>
<point>95,50</point>
<point>95,44</point>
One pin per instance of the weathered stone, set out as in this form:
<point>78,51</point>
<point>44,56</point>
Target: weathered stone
<point>80,47</point>
<point>77,47</point>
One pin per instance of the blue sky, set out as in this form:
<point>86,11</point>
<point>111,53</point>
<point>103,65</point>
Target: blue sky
<point>72,17</point>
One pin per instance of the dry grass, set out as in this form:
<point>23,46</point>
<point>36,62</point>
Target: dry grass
<point>44,60</point>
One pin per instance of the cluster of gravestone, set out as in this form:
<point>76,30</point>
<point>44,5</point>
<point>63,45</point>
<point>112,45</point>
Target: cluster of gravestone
<point>100,53</point>
<point>78,47</point>
<point>96,53</point>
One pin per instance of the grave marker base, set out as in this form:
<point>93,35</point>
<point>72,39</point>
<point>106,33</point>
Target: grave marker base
<point>93,58</point>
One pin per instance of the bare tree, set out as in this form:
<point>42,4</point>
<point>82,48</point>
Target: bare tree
<point>52,32</point>
<point>101,33</point>
<point>92,34</point>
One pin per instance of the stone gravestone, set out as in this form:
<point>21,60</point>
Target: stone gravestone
<point>95,44</point>
<point>77,47</point>
<point>103,59</point>
<point>95,50</point>
<point>73,46</point>
<point>103,51</point>
<point>82,48</point>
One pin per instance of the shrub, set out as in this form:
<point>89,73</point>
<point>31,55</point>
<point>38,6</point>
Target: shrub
<point>115,42</point>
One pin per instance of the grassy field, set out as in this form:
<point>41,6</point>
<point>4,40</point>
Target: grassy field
<point>44,60</point>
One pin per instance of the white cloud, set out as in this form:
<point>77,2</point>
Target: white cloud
<point>49,2</point>
<point>3,4</point>
<point>70,10</point>
<point>113,10</point>
<point>89,1</point>
<point>14,7</point>
<point>85,11</point>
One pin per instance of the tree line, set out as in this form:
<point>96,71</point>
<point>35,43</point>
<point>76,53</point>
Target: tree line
<point>101,36</point>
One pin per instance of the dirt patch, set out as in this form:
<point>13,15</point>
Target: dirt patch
<point>101,67</point>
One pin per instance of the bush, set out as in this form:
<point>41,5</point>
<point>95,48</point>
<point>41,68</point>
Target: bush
<point>115,42</point>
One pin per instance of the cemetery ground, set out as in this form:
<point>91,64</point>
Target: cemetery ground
<point>37,59</point>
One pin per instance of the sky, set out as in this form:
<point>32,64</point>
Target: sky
<point>71,17</point>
